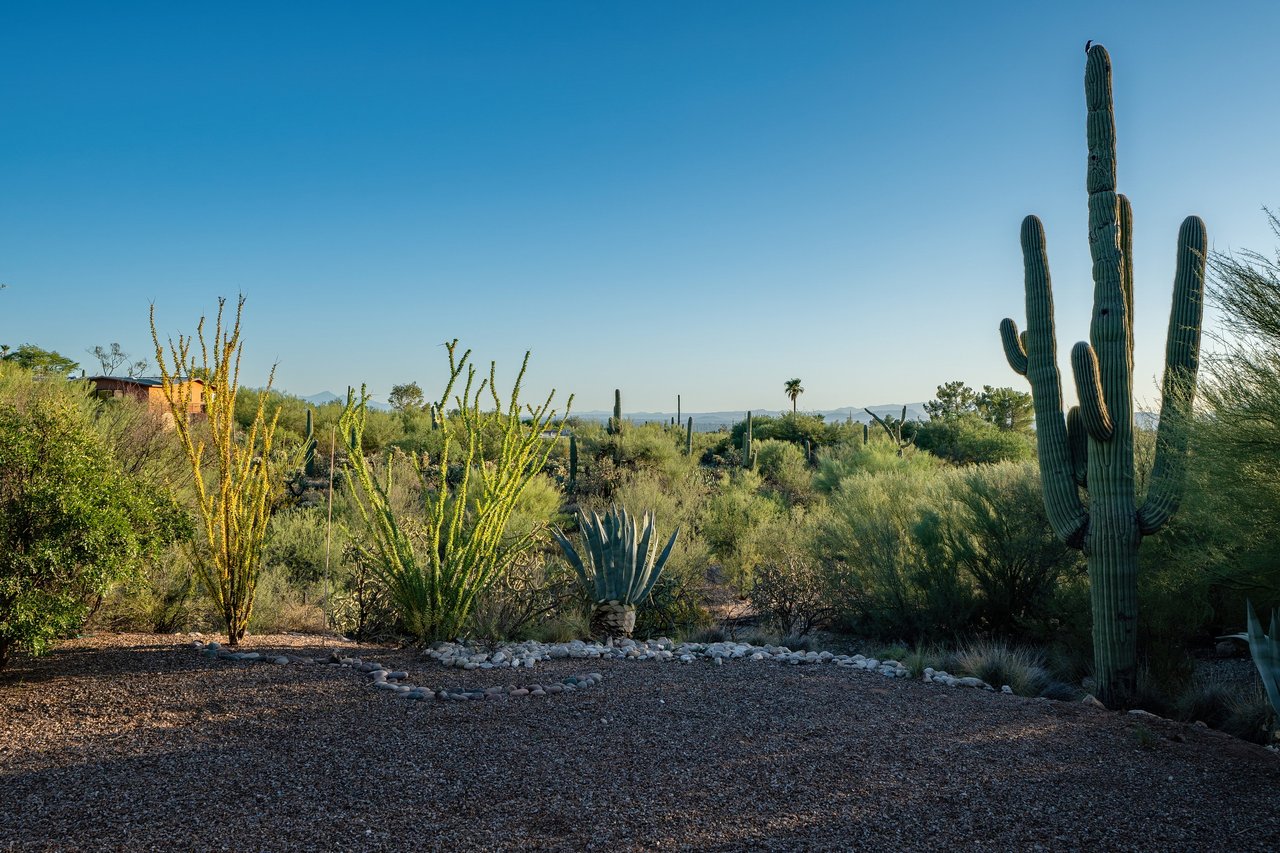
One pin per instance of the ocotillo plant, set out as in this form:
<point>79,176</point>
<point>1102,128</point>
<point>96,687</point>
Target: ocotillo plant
<point>1092,447</point>
<point>309,447</point>
<point>232,468</point>
<point>688,438</point>
<point>748,448</point>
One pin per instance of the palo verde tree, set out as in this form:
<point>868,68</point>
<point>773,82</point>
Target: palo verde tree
<point>1092,447</point>
<point>434,567</point>
<point>232,470</point>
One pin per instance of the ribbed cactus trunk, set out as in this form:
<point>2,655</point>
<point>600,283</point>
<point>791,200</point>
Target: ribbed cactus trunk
<point>1093,446</point>
<point>573,462</point>
<point>748,450</point>
<point>688,438</point>
<point>309,448</point>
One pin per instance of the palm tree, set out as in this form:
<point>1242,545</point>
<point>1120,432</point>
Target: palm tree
<point>793,390</point>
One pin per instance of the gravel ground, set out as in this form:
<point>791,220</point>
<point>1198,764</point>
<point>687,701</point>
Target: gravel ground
<point>130,742</point>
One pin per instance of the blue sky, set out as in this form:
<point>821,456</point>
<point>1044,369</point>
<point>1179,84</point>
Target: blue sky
<point>697,198</point>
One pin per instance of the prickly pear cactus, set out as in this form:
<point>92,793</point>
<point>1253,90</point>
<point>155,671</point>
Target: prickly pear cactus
<point>1092,446</point>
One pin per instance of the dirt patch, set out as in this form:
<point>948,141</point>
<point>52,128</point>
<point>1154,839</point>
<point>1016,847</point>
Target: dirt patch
<point>129,742</point>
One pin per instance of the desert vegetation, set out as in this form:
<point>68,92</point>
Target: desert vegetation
<point>997,538</point>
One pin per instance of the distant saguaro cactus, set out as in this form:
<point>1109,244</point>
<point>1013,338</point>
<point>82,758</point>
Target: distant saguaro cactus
<point>1092,447</point>
<point>614,426</point>
<point>748,446</point>
<point>573,462</point>
<point>309,447</point>
<point>688,438</point>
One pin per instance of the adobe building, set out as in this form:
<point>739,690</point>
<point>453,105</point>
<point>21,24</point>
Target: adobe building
<point>149,390</point>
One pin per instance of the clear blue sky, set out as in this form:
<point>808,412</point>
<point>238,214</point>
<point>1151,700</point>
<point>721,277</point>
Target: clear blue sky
<point>698,198</point>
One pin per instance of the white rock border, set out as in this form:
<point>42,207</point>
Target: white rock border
<point>395,681</point>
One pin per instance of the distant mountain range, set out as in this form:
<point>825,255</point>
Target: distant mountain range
<point>715,421</point>
<point>324,398</point>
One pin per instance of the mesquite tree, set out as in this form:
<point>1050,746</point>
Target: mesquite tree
<point>1092,448</point>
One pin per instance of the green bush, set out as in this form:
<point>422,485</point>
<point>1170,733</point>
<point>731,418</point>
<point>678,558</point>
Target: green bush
<point>785,470</point>
<point>71,523</point>
<point>967,439</point>
<point>999,534</point>
<point>896,579</point>
<point>854,457</point>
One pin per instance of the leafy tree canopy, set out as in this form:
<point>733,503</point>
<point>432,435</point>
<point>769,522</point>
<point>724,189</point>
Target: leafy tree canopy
<point>42,361</point>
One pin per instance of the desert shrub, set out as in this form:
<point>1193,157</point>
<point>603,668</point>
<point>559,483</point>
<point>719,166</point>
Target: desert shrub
<point>881,539</point>
<point>739,525</point>
<point>1250,715</point>
<point>785,470</point>
<point>967,439</point>
<point>359,605</point>
<point>999,664</point>
<point>564,626</point>
<point>71,523</point>
<point>1207,702</point>
<point>279,605</point>
<point>295,547</point>
<point>524,598</point>
<point>162,598</point>
<point>849,458</point>
<point>793,428</point>
<point>1000,535</point>
<point>793,595</point>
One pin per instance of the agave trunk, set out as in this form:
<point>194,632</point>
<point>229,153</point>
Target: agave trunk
<point>613,619</point>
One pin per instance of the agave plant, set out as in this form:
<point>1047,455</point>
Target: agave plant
<point>1266,655</point>
<point>619,570</point>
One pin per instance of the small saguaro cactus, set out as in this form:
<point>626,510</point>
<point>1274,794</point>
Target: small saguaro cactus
<point>688,438</point>
<point>678,413</point>
<point>573,462</point>
<point>1092,446</point>
<point>748,446</point>
<point>614,426</point>
<point>309,447</point>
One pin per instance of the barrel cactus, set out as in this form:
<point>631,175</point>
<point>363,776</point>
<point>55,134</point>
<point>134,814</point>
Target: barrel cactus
<point>620,568</point>
<point>1092,446</point>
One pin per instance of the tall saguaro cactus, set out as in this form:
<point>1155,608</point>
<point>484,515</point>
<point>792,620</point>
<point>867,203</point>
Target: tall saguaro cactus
<point>1092,447</point>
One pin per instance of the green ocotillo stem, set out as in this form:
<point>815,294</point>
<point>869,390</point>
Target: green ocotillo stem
<point>1093,448</point>
<point>688,438</point>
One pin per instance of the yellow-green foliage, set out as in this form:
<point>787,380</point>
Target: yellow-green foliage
<point>434,565</point>
<point>233,473</point>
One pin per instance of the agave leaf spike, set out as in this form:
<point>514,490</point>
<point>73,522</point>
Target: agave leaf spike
<point>1266,654</point>
<point>658,565</point>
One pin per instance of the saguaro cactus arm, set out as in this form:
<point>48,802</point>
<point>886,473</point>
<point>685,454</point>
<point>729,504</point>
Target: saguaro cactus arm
<point>1094,416</point>
<point>1066,513</point>
<point>1015,349</point>
<point>1078,439</point>
<point>1182,359</point>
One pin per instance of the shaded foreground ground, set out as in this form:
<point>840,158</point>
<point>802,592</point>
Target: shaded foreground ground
<point>129,742</point>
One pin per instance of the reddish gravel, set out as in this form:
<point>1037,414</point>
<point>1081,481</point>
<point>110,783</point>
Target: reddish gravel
<point>128,742</point>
